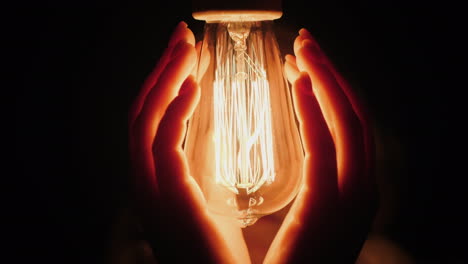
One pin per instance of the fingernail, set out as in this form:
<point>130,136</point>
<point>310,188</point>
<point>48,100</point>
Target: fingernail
<point>290,58</point>
<point>305,33</point>
<point>310,46</point>
<point>178,49</point>
<point>173,41</point>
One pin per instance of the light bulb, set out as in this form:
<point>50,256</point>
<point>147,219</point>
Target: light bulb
<point>243,145</point>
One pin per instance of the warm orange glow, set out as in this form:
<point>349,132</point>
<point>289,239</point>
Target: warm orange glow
<point>240,157</point>
<point>243,144</point>
<point>237,15</point>
<point>242,134</point>
<point>242,120</point>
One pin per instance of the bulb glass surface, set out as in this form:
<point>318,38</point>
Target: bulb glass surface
<point>243,145</point>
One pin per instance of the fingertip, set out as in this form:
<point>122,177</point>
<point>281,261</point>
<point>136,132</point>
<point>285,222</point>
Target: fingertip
<point>308,54</point>
<point>182,24</point>
<point>305,33</point>
<point>177,34</point>
<point>290,58</point>
<point>181,33</point>
<point>187,33</point>
<point>190,36</point>
<point>297,44</point>
<point>291,71</point>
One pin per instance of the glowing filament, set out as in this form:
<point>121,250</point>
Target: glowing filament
<point>242,125</point>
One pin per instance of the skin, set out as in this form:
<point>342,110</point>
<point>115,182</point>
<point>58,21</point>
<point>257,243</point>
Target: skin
<point>331,216</point>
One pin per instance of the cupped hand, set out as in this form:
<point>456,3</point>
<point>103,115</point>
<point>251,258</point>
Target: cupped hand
<point>171,207</point>
<point>333,212</point>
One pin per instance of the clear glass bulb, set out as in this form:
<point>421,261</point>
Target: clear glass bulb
<point>243,145</point>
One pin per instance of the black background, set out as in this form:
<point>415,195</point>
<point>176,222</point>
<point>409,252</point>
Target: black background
<point>79,65</point>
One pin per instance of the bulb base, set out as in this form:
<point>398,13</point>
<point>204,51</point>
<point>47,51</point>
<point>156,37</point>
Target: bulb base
<point>215,16</point>
<point>239,10</point>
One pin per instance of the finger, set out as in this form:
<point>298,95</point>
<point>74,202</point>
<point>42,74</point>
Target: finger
<point>176,71</point>
<point>320,157</point>
<point>181,33</point>
<point>146,124</point>
<point>167,147</point>
<point>358,108</point>
<point>339,115</point>
<point>290,69</point>
<point>297,44</point>
<point>291,59</point>
<point>198,48</point>
<point>354,145</point>
<point>175,192</point>
<point>305,34</point>
<point>203,62</point>
<point>301,227</point>
<point>356,104</point>
<point>184,204</point>
<point>326,107</point>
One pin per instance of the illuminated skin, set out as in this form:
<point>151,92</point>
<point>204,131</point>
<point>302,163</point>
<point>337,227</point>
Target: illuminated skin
<point>330,217</point>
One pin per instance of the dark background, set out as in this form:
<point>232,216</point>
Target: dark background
<point>79,65</point>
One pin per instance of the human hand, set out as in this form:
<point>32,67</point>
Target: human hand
<point>332,213</point>
<point>171,207</point>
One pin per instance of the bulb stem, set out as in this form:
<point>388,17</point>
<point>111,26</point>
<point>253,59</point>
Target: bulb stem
<point>239,32</point>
